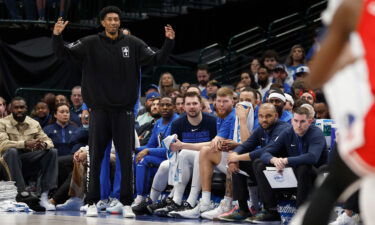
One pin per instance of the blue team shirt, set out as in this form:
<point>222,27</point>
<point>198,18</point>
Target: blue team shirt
<point>203,132</point>
<point>62,137</point>
<point>225,127</point>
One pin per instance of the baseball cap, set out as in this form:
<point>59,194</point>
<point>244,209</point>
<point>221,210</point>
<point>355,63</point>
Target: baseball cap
<point>302,69</point>
<point>152,86</point>
<point>279,67</point>
<point>152,95</point>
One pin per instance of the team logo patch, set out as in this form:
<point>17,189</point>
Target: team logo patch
<point>74,44</point>
<point>125,52</point>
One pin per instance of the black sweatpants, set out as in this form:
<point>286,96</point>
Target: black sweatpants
<point>104,126</point>
<point>325,197</point>
<point>305,175</point>
<point>240,184</point>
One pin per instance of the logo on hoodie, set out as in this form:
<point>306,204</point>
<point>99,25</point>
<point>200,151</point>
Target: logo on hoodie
<point>125,52</point>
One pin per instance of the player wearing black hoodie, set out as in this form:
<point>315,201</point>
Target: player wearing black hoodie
<point>111,64</point>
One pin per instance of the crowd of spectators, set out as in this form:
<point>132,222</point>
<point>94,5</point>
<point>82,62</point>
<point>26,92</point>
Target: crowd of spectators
<point>266,119</point>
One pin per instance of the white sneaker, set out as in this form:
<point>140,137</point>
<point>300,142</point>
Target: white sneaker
<point>194,213</point>
<point>92,211</point>
<point>103,204</point>
<point>344,219</point>
<point>46,203</point>
<point>222,208</point>
<point>138,200</point>
<point>127,212</point>
<point>72,204</point>
<point>115,207</point>
<point>84,208</point>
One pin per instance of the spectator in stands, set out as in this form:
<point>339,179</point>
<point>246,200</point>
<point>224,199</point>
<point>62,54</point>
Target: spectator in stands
<point>263,80</point>
<point>203,76</point>
<point>248,79</point>
<point>280,75</point>
<point>183,87</point>
<point>49,98</point>
<point>206,106</point>
<point>76,109</point>
<point>42,114</point>
<point>277,98</point>
<point>145,131</point>
<point>254,66</point>
<point>299,147</point>
<point>173,92</point>
<point>62,131</point>
<point>236,98</point>
<point>270,59</point>
<point>150,156</point>
<point>322,110</point>
<point>302,72</point>
<point>24,146</point>
<point>289,102</point>
<point>269,130</point>
<point>309,96</point>
<point>180,104</point>
<point>259,97</point>
<point>212,87</point>
<point>59,99</point>
<point>210,151</point>
<point>3,108</point>
<point>239,86</point>
<point>145,117</point>
<point>192,127</point>
<point>295,59</point>
<point>194,88</point>
<point>298,87</point>
<point>166,83</point>
<point>151,88</point>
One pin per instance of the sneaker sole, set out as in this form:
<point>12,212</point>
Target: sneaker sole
<point>267,222</point>
<point>185,217</point>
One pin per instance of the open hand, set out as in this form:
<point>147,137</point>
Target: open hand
<point>59,26</point>
<point>169,32</point>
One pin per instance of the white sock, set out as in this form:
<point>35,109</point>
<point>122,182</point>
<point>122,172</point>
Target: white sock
<point>178,193</point>
<point>171,194</point>
<point>228,200</point>
<point>193,196</point>
<point>206,197</point>
<point>139,198</point>
<point>154,195</point>
<point>44,195</point>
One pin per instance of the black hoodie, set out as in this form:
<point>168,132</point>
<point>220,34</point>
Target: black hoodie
<point>111,68</point>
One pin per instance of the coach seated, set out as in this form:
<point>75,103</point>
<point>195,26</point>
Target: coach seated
<point>62,130</point>
<point>299,147</point>
<point>25,147</point>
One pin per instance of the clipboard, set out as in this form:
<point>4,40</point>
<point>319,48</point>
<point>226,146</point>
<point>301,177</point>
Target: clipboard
<point>285,179</point>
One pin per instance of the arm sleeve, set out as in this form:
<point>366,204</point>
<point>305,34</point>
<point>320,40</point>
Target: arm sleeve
<point>250,144</point>
<point>5,143</point>
<point>150,57</point>
<point>311,157</point>
<point>40,135</point>
<point>274,147</point>
<point>75,50</point>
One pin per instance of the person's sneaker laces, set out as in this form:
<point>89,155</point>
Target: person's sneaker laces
<point>235,215</point>
<point>91,211</point>
<point>115,207</point>
<point>72,204</point>
<point>163,212</point>
<point>185,206</point>
<point>344,219</point>
<point>103,204</point>
<point>158,205</point>
<point>223,207</point>
<point>265,216</point>
<point>141,208</point>
<point>127,212</point>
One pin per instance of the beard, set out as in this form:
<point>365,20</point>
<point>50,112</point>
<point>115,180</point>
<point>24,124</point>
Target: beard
<point>155,115</point>
<point>203,82</point>
<point>263,83</point>
<point>20,118</point>
<point>224,114</point>
<point>193,114</point>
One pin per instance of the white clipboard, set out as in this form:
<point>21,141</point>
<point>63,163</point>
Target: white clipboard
<point>285,179</point>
